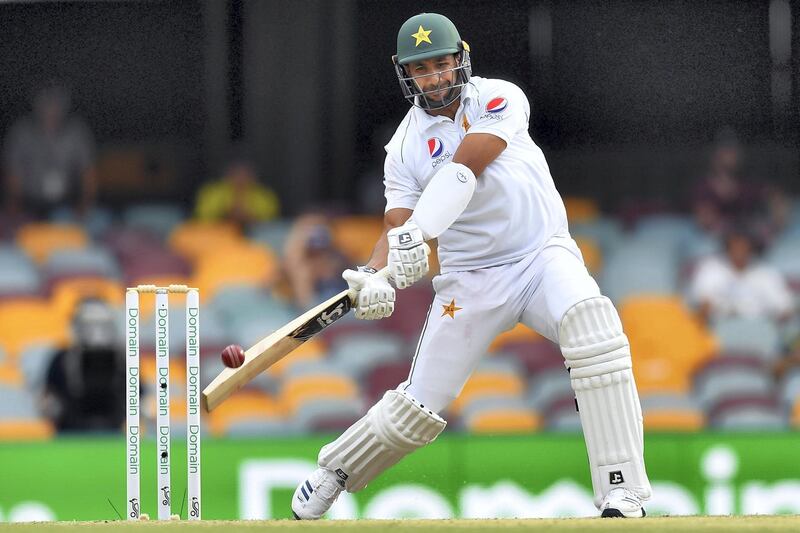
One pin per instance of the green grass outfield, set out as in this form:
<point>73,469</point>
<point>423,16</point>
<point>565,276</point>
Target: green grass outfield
<point>649,525</point>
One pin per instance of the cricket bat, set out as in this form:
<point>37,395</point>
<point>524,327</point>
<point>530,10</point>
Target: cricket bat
<point>279,344</point>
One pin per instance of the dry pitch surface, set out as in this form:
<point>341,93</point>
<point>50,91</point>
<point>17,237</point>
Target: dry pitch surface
<point>648,525</point>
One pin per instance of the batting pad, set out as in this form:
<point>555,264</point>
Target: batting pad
<point>599,358</point>
<point>394,427</point>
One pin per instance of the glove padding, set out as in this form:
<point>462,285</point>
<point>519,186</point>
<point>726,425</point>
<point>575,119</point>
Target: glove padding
<point>374,295</point>
<point>408,256</point>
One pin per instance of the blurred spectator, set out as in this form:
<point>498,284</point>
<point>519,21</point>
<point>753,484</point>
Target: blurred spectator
<point>237,197</point>
<point>84,389</point>
<point>737,283</point>
<point>49,158</point>
<point>312,263</point>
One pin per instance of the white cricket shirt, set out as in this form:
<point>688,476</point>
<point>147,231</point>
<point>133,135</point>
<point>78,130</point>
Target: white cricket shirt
<point>516,208</point>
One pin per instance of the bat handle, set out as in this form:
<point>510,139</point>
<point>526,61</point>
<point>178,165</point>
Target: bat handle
<point>385,273</point>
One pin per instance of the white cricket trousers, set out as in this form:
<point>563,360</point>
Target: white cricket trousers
<point>536,291</point>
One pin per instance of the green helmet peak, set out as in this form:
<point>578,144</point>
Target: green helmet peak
<point>425,36</point>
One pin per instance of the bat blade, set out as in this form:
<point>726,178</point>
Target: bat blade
<point>275,347</point>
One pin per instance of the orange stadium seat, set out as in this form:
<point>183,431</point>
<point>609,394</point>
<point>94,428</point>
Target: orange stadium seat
<point>592,256</point>
<point>674,420</point>
<point>581,209</point>
<point>356,236</point>
<point>796,414</point>
<point>667,342</point>
<point>504,421</point>
<point>11,374</point>
<point>245,264</point>
<point>488,383</point>
<point>28,321</point>
<point>243,405</point>
<point>517,334</point>
<point>40,239</point>
<point>297,391</point>
<point>26,430</point>
<point>69,292</point>
<point>192,239</point>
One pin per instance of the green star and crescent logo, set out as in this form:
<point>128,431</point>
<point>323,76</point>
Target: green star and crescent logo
<point>422,36</point>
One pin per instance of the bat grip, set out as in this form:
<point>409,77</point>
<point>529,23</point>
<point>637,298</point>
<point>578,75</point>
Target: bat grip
<point>386,274</point>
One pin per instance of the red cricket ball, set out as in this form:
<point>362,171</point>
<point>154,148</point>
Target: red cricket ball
<point>233,356</point>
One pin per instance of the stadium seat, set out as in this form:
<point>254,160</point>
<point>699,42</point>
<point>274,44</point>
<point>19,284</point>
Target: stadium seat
<point>24,322</point>
<point>757,336</point>
<point>359,354</point>
<point>790,387</point>
<point>785,256</point>
<point>581,210</point>
<point>96,221</point>
<point>192,239</point>
<point>158,219</point>
<point>639,267</point>
<point>272,233</point>
<point>749,413</point>
<point>31,429</point>
<point>673,231</point>
<point>606,232</point>
<point>329,414</point>
<point>34,363</point>
<point>41,239</point>
<point>298,390</point>
<point>592,255</point>
<point>499,415</point>
<point>243,406</point>
<point>667,342</point>
<point>17,403</point>
<point>67,293</point>
<point>535,356</point>
<point>356,236</point>
<point>547,387</point>
<point>92,261</point>
<point>18,274</point>
<point>247,264</point>
<point>728,377</point>
<point>485,383</point>
<point>562,416</point>
<point>672,412</point>
<point>520,333</point>
<point>385,377</point>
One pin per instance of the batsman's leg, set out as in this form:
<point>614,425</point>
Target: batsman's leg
<point>599,358</point>
<point>394,427</point>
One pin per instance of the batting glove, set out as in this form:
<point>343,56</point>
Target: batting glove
<point>374,295</point>
<point>408,256</point>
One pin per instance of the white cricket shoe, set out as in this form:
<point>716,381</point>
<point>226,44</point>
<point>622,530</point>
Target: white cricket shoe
<point>314,496</point>
<point>622,503</point>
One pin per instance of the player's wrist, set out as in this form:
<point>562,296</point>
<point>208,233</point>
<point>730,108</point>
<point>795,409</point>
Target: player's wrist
<point>368,269</point>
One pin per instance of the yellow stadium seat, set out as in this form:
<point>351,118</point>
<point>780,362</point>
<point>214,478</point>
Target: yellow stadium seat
<point>249,264</point>
<point>485,384</point>
<point>297,391</point>
<point>356,236</point>
<point>311,350</point>
<point>796,414</point>
<point>581,209</point>
<point>592,256</point>
<point>192,239</point>
<point>247,404</point>
<point>674,420</point>
<point>667,342</point>
<point>504,421</point>
<point>31,320</point>
<point>40,239</point>
<point>68,293</point>
<point>10,374</point>
<point>519,333</point>
<point>26,430</point>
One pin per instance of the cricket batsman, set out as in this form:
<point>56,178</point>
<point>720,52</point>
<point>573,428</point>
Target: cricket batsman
<point>463,168</point>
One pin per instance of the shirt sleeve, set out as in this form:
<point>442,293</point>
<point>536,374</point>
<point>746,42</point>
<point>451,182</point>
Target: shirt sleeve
<point>402,190</point>
<point>504,112</point>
